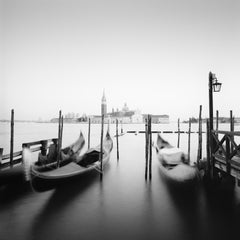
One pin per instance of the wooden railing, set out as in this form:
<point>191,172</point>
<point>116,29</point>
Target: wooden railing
<point>226,152</point>
<point>36,146</point>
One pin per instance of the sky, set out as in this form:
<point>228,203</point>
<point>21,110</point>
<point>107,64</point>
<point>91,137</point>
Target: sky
<point>155,55</point>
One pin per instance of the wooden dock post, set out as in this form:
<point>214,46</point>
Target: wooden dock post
<point>101,148</point>
<point>178,142</point>
<point>199,156</point>
<point>150,147</point>
<point>146,148</point>
<point>12,138</point>
<point>89,130</point>
<point>208,148</point>
<point>117,139</point>
<point>189,138</point>
<point>60,123</point>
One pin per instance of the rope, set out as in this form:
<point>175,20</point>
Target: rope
<point>98,170</point>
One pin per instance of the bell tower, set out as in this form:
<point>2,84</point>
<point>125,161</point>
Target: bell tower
<point>104,104</point>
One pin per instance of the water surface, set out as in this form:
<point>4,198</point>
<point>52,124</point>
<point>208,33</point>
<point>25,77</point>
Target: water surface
<point>121,206</point>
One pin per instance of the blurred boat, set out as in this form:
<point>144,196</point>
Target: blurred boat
<point>81,165</point>
<point>174,164</point>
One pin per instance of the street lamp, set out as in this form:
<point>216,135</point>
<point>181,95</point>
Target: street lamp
<point>213,86</point>
<point>216,85</point>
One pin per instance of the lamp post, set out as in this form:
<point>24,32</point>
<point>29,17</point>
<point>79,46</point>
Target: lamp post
<point>213,86</point>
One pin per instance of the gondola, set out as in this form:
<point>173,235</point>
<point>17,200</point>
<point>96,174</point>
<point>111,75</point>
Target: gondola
<point>174,164</point>
<point>19,173</point>
<point>78,166</point>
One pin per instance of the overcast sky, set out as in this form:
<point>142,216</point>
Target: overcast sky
<point>154,55</point>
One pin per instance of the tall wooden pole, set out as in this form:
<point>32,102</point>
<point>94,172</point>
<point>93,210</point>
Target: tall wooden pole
<point>12,137</point>
<point>231,128</point>
<point>178,142</point>
<point>89,130</point>
<point>146,148</point>
<point>150,147</point>
<point>61,131</point>
<point>199,136</point>
<point>101,147</point>
<point>208,148</point>
<point>189,138</point>
<point>211,140</point>
<point>117,139</point>
<point>59,138</point>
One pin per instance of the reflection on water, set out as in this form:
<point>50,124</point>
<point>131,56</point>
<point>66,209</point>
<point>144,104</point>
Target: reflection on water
<point>121,206</point>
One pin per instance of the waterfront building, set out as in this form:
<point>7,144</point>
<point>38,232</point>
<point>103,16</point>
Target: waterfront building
<point>126,115</point>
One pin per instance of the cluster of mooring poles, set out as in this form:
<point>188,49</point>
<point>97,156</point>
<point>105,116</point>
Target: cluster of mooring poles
<point>231,147</point>
<point>149,144</point>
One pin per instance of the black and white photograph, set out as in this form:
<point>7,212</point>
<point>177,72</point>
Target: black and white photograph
<point>119,119</point>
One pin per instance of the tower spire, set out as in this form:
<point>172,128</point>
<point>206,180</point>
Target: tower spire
<point>103,96</point>
<point>104,104</point>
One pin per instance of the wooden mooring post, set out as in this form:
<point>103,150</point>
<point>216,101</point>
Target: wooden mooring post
<point>150,146</point>
<point>208,148</point>
<point>178,142</point>
<point>189,138</point>
<point>117,139</point>
<point>12,138</point>
<point>146,148</point>
<point>199,155</point>
<point>89,130</point>
<point>231,129</point>
<point>101,147</point>
<point>60,131</point>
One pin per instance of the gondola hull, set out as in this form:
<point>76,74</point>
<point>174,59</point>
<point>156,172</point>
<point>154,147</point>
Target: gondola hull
<point>51,176</point>
<point>174,166</point>
<point>43,183</point>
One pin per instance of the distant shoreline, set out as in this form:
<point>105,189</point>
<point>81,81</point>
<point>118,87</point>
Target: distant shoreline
<point>73,122</point>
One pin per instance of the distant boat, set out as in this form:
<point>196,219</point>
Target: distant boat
<point>88,162</point>
<point>174,164</point>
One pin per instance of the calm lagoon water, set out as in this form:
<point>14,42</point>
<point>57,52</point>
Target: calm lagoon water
<point>121,206</point>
